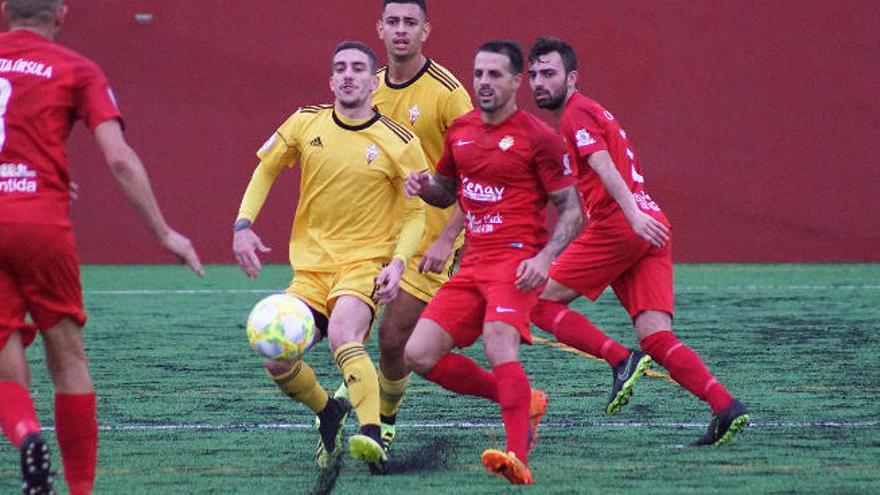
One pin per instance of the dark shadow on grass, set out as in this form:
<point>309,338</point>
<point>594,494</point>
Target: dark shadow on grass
<point>429,457</point>
<point>327,478</point>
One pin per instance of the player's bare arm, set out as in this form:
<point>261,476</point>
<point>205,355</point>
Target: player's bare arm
<point>130,174</point>
<point>388,281</point>
<point>534,271</point>
<point>644,225</point>
<point>436,190</point>
<point>438,253</point>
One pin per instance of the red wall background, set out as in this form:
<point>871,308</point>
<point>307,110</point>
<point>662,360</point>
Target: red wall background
<point>756,120</point>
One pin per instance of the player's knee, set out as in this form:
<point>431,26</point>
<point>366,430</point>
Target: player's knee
<point>279,367</point>
<point>650,322</point>
<point>419,358</point>
<point>501,343</point>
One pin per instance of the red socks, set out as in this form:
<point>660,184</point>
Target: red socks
<point>463,375</point>
<point>514,394</point>
<point>77,429</point>
<point>686,368</point>
<point>18,417</point>
<point>573,329</point>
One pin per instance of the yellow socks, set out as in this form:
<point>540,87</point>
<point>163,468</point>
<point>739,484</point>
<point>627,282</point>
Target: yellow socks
<point>360,377</point>
<point>391,394</point>
<point>301,385</point>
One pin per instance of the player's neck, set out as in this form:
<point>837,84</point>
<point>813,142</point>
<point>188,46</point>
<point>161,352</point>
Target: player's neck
<point>558,111</point>
<point>500,114</point>
<point>357,113</point>
<point>402,70</point>
<point>47,32</point>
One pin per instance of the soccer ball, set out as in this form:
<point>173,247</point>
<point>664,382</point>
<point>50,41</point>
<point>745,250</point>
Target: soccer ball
<point>281,327</point>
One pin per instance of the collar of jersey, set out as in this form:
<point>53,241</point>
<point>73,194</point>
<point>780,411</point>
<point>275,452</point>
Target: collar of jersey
<point>411,80</point>
<point>355,125</point>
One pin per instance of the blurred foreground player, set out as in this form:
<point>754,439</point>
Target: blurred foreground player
<point>626,245</point>
<point>44,89</point>
<point>502,164</point>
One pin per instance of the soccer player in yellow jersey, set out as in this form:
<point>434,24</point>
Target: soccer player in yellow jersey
<point>425,98</point>
<point>353,234</point>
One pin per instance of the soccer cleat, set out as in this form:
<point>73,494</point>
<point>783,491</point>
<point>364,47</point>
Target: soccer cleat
<point>388,434</point>
<point>371,452</point>
<point>624,376</point>
<point>35,473</point>
<point>326,455</point>
<point>507,465</point>
<point>537,408</point>
<point>725,425</point>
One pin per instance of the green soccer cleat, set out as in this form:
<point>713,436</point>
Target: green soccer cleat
<point>330,439</point>
<point>624,376</point>
<point>725,425</point>
<point>369,451</point>
<point>388,432</point>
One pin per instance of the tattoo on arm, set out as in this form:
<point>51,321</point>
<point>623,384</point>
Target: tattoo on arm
<point>571,220</point>
<point>441,191</point>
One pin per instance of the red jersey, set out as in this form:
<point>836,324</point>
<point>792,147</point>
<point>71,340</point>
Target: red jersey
<point>587,128</point>
<point>504,173</point>
<point>44,89</point>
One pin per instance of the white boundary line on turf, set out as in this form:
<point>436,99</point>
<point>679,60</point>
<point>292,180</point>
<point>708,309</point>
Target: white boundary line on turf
<point>692,288</point>
<point>468,425</point>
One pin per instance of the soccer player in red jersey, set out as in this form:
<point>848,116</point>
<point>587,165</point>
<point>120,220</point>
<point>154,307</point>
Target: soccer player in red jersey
<point>626,244</point>
<point>502,164</point>
<point>44,89</point>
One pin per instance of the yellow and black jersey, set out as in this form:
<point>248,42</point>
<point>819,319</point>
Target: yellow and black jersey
<point>351,205</point>
<point>426,105</point>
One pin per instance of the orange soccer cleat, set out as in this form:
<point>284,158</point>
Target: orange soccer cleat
<point>537,408</point>
<point>507,465</point>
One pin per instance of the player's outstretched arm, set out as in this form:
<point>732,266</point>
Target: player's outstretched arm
<point>437,254</point>
<point>436,190</point>
<point>129,172</point>
<point>644,225</point>
<point>534,271</point>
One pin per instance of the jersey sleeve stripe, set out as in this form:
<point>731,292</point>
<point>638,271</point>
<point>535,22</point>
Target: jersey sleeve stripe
<point>399,126</point>
<point>404,135</point>
<point>444,79</point>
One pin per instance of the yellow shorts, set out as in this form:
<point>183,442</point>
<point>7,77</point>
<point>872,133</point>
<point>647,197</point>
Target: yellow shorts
<point>423,286</point>
<point>321,289</point>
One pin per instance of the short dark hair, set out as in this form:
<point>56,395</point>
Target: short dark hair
<point>357,45</point>
<point>42,11</point>
<point>423,4</point>
<point>510,48</point>
<point>548,44</point>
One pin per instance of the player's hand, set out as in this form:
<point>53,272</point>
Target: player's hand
<point>435,257</point>
<point>649,228</point>
<point>388,282</point>
<point>532,273</point>
<point>184,250</point>
<point>73,192</point>
<point>245,244</point>
<point>416,183</point>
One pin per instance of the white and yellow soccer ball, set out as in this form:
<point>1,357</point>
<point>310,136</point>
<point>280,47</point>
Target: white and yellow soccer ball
<point>281,327</point>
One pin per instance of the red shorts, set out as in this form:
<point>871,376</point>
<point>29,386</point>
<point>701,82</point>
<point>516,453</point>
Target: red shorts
<point>610,253</point>
<point>39,275</point>
<point>483,290</point>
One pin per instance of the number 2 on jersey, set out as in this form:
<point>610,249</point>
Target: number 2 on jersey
<point>5,95</point>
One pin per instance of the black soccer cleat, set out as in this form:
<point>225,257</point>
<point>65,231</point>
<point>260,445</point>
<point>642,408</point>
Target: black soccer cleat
<point>35,468</point>
<point>330,430</point>
<point>624,377</point>
<point>725,425</point>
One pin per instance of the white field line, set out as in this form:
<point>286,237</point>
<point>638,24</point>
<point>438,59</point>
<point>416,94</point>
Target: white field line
<point>685,289</point>
<point>468,425</point>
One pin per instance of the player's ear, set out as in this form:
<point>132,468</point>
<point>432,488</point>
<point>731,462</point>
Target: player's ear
<point>60,15</point>
<point>426,30</point>
<point>571,79</point>
<point>3,11</point>
<point>374,82</point>
<point>379,29</point>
